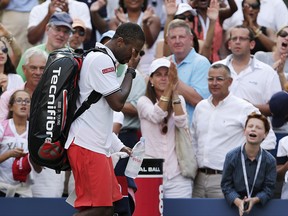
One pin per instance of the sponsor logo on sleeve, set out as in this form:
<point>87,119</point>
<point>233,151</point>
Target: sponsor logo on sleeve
<point>108,70</point>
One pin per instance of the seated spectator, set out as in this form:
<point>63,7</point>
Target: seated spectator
<point>13,46</point>
<point>41,14</point>
<point>138,12</point>
<point>249,173</point>
<point>278,58</point>
<point>264,36</point>
<point>15,17</point>
<point>202,22</point>
<point>13,145</point>
<point>58,31</point>
<point>8,77</point>
<point>34,62</point>
<point>185,12</point>
<point>78,34</point>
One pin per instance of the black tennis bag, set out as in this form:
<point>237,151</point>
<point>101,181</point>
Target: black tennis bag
<point>53,107</point>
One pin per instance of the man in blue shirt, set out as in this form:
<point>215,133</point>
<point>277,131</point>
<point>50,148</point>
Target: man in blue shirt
<point>192,67</point>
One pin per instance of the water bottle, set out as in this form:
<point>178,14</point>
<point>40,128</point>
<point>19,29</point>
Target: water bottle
<point>135,160</point>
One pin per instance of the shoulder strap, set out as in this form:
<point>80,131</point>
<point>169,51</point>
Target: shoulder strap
<point>95,96</point>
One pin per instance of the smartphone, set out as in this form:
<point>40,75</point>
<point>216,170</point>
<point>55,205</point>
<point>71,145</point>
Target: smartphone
<point>246,205</point>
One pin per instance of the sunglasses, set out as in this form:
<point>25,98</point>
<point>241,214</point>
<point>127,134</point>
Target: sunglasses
<point>283,34</point>
<point>80,32</point>
<point>184,17</point>
<point>164,128</point>
<point>252,5</point>
<point>5,50</point>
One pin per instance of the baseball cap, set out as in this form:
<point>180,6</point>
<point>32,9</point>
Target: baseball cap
<point>21,168</point>
<point>183,7</point>
<point>61,19</point>
<point>108,34</point>
<point>157,63</point>
<point>78,23</point>
<point>279,108</point>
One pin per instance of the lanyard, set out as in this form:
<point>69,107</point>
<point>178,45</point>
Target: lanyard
<point>245,173</point>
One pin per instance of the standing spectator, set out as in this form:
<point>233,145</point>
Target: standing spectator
<point>8,77</point>
<point>161,110</point>
<point>217,128</point>
<point>13,144</point>
<point>33,67</point>
<point>78,34</point>
<point>58,31</point>
<point>15,17</point>
<point>254,80</point>
<point>40,16</point>
<point>96,186</point>
<point>249,173</point>
<point>192,67</point>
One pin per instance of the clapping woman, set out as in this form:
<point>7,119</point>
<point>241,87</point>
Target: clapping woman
<point>160,111</point>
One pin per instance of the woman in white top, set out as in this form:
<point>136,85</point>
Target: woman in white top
<point>8,77</point>
<point>160,111</point>
<point>13,144</point>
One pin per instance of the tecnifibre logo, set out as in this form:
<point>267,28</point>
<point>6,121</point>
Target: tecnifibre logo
<point>51,106</point>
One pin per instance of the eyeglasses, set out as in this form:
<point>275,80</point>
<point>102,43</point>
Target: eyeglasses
<point>241,39</point>
<point>254,6</point>
<point>79,31</point>
<point>218,79</point>
<point>184,17</point>
<point>283,34</point>
<point>20,101</point>
<point>4,50</point>
<point>164,128</point>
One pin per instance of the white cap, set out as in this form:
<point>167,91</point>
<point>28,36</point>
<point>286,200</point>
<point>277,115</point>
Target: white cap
<point>157,63</point>
<point>183,7</point>
<point>109,34</point>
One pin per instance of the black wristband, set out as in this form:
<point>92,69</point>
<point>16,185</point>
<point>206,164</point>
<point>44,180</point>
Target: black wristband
<point>132,71</point>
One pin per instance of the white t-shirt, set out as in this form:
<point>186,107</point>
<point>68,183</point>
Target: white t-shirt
<point>10,139</point>
<point>268,15</point>
<point>76,10</point>
<point>256,84</point>
<point>92,130</point>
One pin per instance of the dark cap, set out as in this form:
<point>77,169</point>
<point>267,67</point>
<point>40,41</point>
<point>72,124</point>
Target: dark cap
<point>279,108</point>
<point>61,19</point>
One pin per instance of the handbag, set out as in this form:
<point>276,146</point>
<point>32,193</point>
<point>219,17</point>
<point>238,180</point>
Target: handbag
<point>185,153</point>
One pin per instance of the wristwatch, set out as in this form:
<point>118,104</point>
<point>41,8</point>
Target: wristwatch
<point>132,71</point>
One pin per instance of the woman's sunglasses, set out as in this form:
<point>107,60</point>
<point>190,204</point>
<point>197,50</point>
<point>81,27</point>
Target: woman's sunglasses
<point>164,128</point>
<point>184,17</point>
<point>283,34</point>
<point>5,50</point>
<point>254,6</point>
